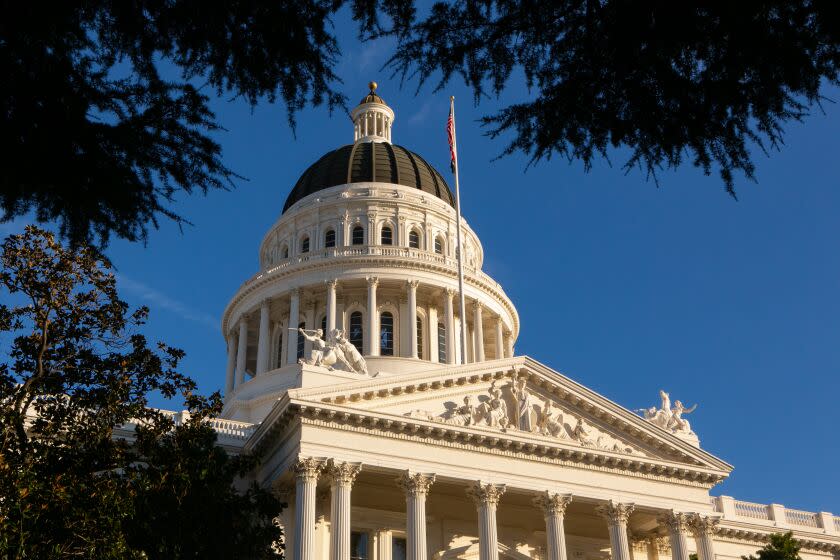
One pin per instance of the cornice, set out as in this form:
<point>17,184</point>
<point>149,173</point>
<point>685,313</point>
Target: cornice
<point>758,534</point>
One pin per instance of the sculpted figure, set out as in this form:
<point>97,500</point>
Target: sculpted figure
<point>495,411</point>
<point>668,417</point>
<point>316,357</point>
<point>463,415</point>
<point>523,404</point>
<point>678,423</point>
<point>550,422</point>
<point>583,434</point>
<point>353,359</point>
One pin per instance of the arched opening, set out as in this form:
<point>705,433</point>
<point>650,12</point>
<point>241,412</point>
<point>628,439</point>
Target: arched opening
<point>439,245</point>
<point>285,251</point>
<point>324,326</point>
<point>329,238</point>
<point>441,335</point>
<point>386,334</point>
<point>414,239</point>
<point>279,361</point>
<point>357,333</point>
<point>358,236</point>
<point>420,353</point>
<point>301,342</point>
<point>387,236</point>
<point>304,244</point>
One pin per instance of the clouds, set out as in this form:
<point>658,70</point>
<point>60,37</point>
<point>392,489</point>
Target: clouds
<point>162,301</point>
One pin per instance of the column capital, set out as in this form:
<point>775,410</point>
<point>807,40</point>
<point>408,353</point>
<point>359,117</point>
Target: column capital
<point>704,524</point>
<point>343,473</point>
<point>675,521</point>
<point>486,493</point>
<point>265,303</point>
<point>307,468</point>
<point>615,513</point>
<point>477,305</point>
<point>332,282</point>
<point>412,284</point>
<point>415,483</point>
<point>499,321</point>
<point>553,503</point>
<point>372,281</point>
<point>450,292</point>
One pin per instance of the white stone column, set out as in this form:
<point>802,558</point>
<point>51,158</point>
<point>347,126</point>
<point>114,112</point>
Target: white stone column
<point>306,478</point>
<point>384,544</point>
<point>554,510</point>
<point>342,475</point>
<point>242,350</point>
<point>264,341</point>
<point>412,318</point>
<point>500,339</point>
<point>372,317</point>
<point>449,312</point>
<point>486,498</point>
<point>652,548</point>
<point>294,320</point>
<point>432,324</point>
<point>309,317</point>
<point>510,345</point>
<point>704,528</point>
<point>230,370</point>
<point>677,524</point>
<point>617,516</point>
<point>416,487</point>
<point>331,285</point>
<point>478,332</point>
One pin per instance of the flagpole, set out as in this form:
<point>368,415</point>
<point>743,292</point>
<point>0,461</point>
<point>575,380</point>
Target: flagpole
<point>460,253</point>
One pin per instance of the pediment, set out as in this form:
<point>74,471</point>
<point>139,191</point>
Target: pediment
<point>517,402</point>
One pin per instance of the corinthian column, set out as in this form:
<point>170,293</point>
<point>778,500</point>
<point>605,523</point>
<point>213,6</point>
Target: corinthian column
<point>342,475</point>
<point>704,528</point>
<point>448,311</point>
<point>331,284</point>
<point>416,487</point>
<point>230,370</point>
<point>486,498</point>
<point>412,318</point>
<point>306,478</point>
<point>262,342</point>
<point>554,509</point>
<point>242,350</point>
<point>294,319</point>
<point>617,516</point>
<point>478,332</point>
<point>677,524</point>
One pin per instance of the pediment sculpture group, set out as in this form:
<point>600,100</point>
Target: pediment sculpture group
<point>528,414</point>
<point>335,351</point>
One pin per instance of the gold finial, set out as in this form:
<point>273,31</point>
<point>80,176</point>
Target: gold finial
<point>372,86</point>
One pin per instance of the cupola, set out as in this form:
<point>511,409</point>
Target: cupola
<point>372,118</point>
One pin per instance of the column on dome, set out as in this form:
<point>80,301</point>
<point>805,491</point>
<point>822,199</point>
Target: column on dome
<point>510,351</point>
<point>449,314</point>
<point>432,326</point>
<point>342,475</point>
<point>230,370</point>
<point>372,337</point>
<point>416,487</point>
<point>371,229</point>
<point>617,515</point>
<point>294,320</point>
<point>704,528</point>
<point>306,472</point>
<point>677,524</point>
<point>500,338</point>
<point>309,319</point>
<point>486,497</point>
<point>554,509</point>
<point>331,304</point>
<point>412,318</point>
<point>478,332</point>
<point>242,350</point>
<point>263,342</point>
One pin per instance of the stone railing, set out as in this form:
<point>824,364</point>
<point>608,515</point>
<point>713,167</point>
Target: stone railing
<point>776,515</point>
<point>233,429</point>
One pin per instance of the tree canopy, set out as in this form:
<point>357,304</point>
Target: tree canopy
<point>73,367</point>
<point>782,546</point>
<point>667,81</point>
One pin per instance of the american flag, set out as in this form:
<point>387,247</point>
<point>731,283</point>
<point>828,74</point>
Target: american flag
<point>450,133</point>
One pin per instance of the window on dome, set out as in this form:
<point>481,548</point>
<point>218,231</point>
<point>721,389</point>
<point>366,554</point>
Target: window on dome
<point>358,235</point>
<point>285,251</point>
<point>357,335</point>
<point>387,236</point>
<point>386,334</point>
<point>358,546</point>
<point>279,349</point>
<point>324,326</point>
<point>420,338</point>
<point>301,342</point>
<point>329,238</point>
<point>304,244</point>
<point>438,245</point>
<point>441,334</point>
<point>414,239</point>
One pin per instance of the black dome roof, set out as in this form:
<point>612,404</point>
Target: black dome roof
<point>370,162</point>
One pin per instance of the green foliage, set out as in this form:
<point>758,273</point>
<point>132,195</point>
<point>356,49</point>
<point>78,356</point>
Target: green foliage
<point>73,369</point>
<point>782,546</point>
<point>668,81</point>
<point>104,115</point>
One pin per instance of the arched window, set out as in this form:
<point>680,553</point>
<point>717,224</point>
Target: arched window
<point>438,245</point>
<point>285,251</point>
<point>414,239</point>
<point>280,349</point>
<point>386,334</point>
<point>324,326</point>
<point>387,236</point>
<point>420,338</point>
<point>357,335</point>
<point>329,238</point>
<point>301,342</point>
<point>304,244</point>
<point>358,235</point>
<point>441,334</point>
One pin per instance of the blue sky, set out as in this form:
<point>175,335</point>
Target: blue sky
<point>622,286</point>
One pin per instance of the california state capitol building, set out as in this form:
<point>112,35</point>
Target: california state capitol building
<point>390,438</point>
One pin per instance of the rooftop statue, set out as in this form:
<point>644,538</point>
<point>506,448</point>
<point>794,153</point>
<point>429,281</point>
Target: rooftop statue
<point>669,418</point>
<point>327,353</point>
